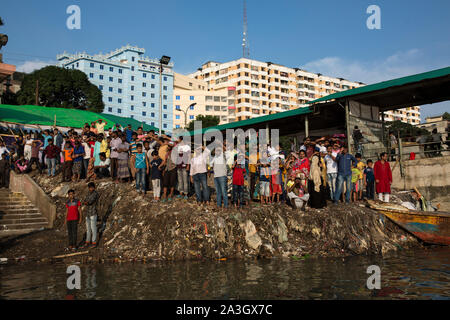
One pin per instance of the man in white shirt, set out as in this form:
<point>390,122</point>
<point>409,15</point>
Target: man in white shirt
<point>102,170</point>
<point>198,170</point>
<point>219,165</point>
<point>114,154</point>
<point>3,148</point>
<point>86,158</point>
<point>332,170</point>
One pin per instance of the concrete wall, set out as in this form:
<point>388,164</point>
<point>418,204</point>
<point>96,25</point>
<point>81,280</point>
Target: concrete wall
<point>24,184</point>
<point>429,175</point>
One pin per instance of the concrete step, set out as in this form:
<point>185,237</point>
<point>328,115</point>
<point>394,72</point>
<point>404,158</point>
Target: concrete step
<point>18,210</point>
<point>17,206</point>
<point>22,221</point>
<point>32,225</point>
<point>20,216</point>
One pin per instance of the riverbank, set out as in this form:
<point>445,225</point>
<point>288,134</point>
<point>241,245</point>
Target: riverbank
<point>140,230</point>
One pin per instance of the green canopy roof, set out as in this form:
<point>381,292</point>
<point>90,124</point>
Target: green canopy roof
<point>73,118</point>
<point>255,121</point>
<point>386,84</point>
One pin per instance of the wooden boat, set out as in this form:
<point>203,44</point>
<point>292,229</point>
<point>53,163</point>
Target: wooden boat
<point>430,227</point>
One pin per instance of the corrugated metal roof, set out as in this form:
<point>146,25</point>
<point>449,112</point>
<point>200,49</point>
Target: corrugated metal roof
<point>386,84</point>
<point>254,121</point>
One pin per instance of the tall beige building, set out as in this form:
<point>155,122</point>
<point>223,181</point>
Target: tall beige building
<point>264,88</point>
<point>409,115</point>
<point>215,102</point>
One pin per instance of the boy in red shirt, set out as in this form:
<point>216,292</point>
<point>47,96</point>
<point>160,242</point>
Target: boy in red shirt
<point>73,218</point>
<point>238,182</point>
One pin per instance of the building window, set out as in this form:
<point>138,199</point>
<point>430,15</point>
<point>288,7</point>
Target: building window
<point>153,76</point>
<point>165,78</point>
<point>92,65</point>
<point>177,117</point>
<point>191,117</point>
<point>120,70</point>
<point>119,90</point>
<point>152,105</point>
<point>119,100</point>
<point>144,104</point>
<point>119,110</point>
<point>152,95</point>
<point>132,68</point>
<point>144,94</point>
<point>110,89</point>
<point>165,107</point>
<point>109,109</point>
<point>132,78</point>
<point>177,126</point>
<point>165,116</point>
<point>144,75</point>
<point>132,117</point>
<point>132,88</point>
<point>177,97</point>
<point>164,97</point>
<point>132,108</point>
<point>91,75</point>
<point>110,99</point>
<point>144,113</point>
<point>152,86</point>
<point>191,98</point>
<point>132,98</point>
<point>111,69</point>
<point>177,107</point>
<point>100,77</point>
<point>152,123</point>
<point>101,67</point>
<point>100,87</point>
<point>165,88</point>
<point>132,58</point>
<point>77,64</point>
<point>111,79</point>
<point>120,80</point>
<point>191,107</point>
<point>165,125</point>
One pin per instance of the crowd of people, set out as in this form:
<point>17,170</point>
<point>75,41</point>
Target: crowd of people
<point>304,176</point>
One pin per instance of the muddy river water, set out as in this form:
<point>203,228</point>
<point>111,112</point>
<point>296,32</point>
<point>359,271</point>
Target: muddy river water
<point>413,274</point>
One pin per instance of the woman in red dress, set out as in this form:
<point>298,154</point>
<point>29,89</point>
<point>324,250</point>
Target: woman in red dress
<point>383,177</point>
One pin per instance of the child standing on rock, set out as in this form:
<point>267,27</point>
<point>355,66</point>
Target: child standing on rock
<point>91,216</point>
<point>156,175</point>
<point>73,218</point>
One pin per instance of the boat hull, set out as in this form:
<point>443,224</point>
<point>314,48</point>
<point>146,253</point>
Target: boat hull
<point>428,226</point>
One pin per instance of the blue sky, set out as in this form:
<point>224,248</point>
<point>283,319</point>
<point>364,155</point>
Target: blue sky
<point>325,36</point>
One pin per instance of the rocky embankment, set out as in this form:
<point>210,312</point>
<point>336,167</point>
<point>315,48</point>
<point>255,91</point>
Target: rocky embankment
<point>137,229</point>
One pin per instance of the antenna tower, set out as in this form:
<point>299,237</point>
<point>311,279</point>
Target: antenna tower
<point>245,48</point>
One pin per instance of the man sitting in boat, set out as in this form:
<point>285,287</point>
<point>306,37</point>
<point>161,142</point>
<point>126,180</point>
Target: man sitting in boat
<point>421,203</point>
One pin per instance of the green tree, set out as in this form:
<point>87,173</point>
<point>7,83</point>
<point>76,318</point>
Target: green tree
<point>62,88</point>
<point>446,116</point>
<point>207,121</point>
<point>405,129</point>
